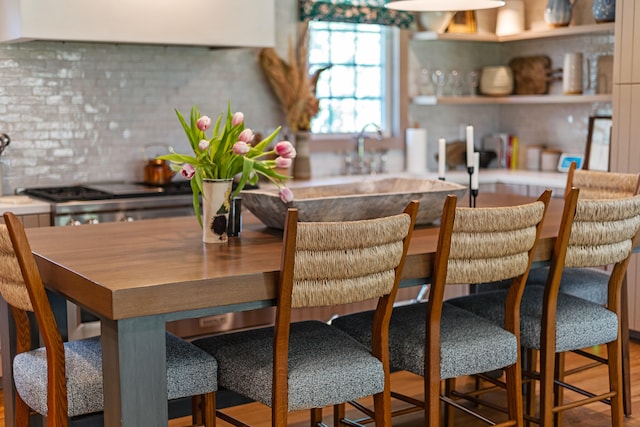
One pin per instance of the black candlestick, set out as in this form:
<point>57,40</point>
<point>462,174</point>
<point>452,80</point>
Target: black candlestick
<point>470,170</point>
<point>474,193</point>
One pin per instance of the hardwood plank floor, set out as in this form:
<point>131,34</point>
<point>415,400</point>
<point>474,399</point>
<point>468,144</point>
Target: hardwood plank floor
<point>595,415</point>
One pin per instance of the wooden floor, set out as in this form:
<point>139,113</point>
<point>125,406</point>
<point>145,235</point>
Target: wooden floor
<point>595,415</point>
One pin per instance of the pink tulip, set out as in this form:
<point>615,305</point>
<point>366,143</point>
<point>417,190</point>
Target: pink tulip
<point>285,149</point>
<point>237,118</point>
<point>203,144</point>
<point>283,162</point>
<point>246,136</point>
<point>241,148</point>
<point>188,171</point>
<point>203,123</point>
<point>286,195</point>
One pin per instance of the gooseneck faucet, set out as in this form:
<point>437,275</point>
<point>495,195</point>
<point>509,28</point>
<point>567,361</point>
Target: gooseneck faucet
<point>361,149</point>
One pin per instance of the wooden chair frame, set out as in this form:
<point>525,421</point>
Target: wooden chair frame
<point>57,403</point>
<point>380,348</point>
<point>550,394</point>
<point>624,316</point>
<point>432,380</point>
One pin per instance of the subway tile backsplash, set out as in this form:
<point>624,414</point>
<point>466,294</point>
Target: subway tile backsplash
<point>83,112</point>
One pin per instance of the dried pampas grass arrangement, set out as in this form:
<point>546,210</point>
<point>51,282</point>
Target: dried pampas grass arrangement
<point>291,83</point>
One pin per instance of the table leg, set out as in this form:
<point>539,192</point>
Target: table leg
<point>135,375</point>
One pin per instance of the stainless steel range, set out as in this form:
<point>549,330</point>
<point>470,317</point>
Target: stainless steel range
<point>108,202</point>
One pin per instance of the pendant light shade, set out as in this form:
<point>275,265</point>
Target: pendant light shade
<point>443,5</point>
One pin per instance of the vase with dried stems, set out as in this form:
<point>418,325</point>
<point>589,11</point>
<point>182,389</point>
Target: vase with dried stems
<point>296,92</point>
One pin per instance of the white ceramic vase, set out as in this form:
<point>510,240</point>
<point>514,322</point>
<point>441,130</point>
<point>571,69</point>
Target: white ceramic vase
<point>216,195</point>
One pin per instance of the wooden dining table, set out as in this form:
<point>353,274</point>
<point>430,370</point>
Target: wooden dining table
<point>137,276</point>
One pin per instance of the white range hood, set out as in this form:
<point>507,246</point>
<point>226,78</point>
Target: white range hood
<point>224,23</point>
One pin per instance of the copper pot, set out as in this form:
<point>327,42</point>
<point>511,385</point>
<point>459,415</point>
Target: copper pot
<point>156,171</point>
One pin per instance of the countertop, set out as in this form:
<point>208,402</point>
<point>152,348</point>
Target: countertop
<point>23,205</point>
<point>553,180</point>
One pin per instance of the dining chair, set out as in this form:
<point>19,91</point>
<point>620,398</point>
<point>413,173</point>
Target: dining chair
<point>439,341</point>
<point>592,283</point>
<point>64,380</point>
<point>592,233</point>
<point>311,365</point>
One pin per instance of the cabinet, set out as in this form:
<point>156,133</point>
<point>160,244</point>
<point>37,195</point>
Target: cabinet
<point>552,120</point>
<point>228,23</point>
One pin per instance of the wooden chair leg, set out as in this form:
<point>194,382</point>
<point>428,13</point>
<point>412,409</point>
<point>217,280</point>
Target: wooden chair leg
<point>615,381</point>
<point>531,361</point>
<point>558,391</point>
<point>209,409</point>
<point>316,417</point>
<point>547,362</point>
<point>382,408</point>
<point>338,414</point>
<point>624,337</point>
<point>22,412</point>
<point>513,375</point>
<point>203,410</point>
<point>197,416</point>
<point>449,412</point>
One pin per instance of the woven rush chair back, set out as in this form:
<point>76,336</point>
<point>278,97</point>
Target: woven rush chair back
<point>22,288</point>
<point>595,232</point>
<point>341,263</point>
<point>492,244</point>
<point>602,185</point>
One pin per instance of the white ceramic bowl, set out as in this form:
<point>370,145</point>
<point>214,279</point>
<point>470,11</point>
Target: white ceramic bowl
<point>496,81</point>
<point>435,21</point>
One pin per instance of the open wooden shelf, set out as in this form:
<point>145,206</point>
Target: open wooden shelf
<point>513,99</point>
<point>526,35</point>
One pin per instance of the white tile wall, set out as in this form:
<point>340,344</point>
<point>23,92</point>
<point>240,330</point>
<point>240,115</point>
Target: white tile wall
<point>79,112</point>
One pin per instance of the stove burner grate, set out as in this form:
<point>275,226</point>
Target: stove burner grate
<point>68,194</point>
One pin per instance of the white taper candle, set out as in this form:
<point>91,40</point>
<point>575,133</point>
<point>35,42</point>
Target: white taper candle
<point>470,148</point>
<point>442,157</point>
<point>476,169</point>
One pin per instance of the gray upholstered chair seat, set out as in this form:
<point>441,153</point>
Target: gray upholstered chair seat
<point>579,323</point>
<point>319,374</point>
<point>591,284</point>
<point>461,333</point>
<point>190,372</point>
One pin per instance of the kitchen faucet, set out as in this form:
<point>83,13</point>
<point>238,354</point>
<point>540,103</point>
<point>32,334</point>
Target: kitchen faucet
<point>361,167</point>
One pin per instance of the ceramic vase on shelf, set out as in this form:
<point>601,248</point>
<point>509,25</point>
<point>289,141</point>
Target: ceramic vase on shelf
<point>302,162</point>
<point>216,195</point>
<point>604,10</point>
<point>558,12</point>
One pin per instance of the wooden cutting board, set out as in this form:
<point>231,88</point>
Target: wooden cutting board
<point>531,74</point>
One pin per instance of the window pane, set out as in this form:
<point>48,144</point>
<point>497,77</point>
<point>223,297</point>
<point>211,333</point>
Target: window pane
<point>352,92</point>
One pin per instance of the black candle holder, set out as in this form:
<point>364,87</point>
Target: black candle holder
<point>474,193</point>
<point>470,171</point>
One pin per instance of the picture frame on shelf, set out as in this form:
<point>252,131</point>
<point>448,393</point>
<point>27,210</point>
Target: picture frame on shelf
<point>463,22</point>
<point>598,142</point>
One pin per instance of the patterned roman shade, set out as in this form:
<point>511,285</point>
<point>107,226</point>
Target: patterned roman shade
<point>353,11</point>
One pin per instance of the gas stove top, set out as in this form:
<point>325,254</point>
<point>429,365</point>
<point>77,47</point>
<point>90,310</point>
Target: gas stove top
<point>107,191</point>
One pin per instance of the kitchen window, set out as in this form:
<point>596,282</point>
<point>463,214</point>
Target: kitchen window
<point>356,89</point>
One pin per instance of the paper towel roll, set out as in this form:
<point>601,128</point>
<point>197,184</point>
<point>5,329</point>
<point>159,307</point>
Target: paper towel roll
<point>416,150</point>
